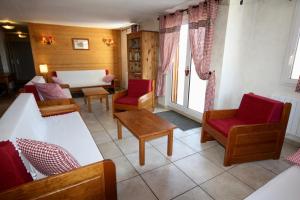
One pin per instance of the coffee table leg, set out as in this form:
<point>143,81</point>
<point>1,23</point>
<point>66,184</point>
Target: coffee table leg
<point>89,104</point>
<point>100,99</point>
<point>142,151</point>
<point>107,104</point>
<point>170,142</point>
<point>119,129</point>
<point>84,100</point>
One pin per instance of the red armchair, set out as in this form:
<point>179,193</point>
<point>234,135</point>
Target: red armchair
<point>254,131</point>
<point>140,94</point>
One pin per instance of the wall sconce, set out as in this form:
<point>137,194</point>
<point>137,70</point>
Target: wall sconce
<point>109,42</point>
<point>47,40</point>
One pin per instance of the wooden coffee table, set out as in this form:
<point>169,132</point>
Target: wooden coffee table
<point>95,93</point>
<point>145,126</point>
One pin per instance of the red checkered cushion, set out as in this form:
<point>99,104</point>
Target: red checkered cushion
<point>48,159</point>
<point>294,158</point>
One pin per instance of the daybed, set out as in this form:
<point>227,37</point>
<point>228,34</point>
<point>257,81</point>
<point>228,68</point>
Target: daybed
<point>95,179</point>
<point>283,186</point>
<point>78,79</point>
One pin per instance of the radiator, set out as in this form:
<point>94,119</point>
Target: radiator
<point>293,128</point>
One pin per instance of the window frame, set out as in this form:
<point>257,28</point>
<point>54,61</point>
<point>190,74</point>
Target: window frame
<point>294,39</point>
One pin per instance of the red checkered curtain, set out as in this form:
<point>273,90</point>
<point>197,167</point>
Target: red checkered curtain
<point>298,86</point>
<point>169,32</point>
<point>201,31</point>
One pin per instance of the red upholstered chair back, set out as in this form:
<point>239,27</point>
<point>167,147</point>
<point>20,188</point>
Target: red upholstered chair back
<point>139,87</point>
<point>32,89</point>
<point>258,109</point>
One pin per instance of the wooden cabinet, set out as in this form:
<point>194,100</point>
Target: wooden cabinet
<point>142,52</point>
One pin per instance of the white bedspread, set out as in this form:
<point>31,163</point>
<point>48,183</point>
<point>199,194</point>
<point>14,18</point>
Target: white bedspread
<point>285,186</point>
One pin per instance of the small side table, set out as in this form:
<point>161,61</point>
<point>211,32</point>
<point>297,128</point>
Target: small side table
<point>95,92</point>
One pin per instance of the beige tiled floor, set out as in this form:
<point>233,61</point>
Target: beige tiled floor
<point>194,171</point>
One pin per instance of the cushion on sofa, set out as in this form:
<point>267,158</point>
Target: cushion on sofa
<point>83,78</point>
<point>57,80</point>
<point>127,100</point>
<point>224,125</point>
<point>12,169</point>
<point>50,91</point>
<point>48,159</point>
<point>137,88</point>
<point>108,78</point>
<point>258,109</point>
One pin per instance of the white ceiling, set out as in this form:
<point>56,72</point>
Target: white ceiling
<point>88,13</point>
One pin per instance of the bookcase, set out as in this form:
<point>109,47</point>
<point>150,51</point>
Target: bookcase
<point>142,52</point>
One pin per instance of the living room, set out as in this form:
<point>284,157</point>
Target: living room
<point>182,99</point>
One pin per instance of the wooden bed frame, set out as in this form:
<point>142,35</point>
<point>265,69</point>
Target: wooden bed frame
<point>91,182</point>
<point>246,143</point>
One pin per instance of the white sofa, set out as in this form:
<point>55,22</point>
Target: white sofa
<point>283,186</point>
<point>23,120</point>
<point>83,78</point>
<point>40,79</point>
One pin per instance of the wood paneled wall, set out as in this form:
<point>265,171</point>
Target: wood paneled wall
<point>61,55</point>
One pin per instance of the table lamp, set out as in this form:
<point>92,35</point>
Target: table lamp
<point>44,70</point>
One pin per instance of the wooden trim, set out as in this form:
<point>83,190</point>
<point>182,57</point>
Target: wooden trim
<point>91,182</point>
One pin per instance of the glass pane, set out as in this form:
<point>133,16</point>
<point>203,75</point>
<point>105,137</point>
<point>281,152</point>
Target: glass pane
<point>197,91</point>
<point>179,70</point>
<point>296,67</point>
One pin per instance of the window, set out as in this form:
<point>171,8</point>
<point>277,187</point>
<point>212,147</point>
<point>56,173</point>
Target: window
<point>296,62</point>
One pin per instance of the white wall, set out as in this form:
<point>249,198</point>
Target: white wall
<point>3,53</point>
<point>255,47</point>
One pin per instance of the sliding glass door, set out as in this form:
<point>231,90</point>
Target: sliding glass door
<point>187,92</point>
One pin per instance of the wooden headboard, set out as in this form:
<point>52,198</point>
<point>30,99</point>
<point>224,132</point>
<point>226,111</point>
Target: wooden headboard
<point>91,182</point>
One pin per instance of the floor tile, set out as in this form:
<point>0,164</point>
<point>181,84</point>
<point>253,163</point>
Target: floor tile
<point>195,194</point>
<point>180,150</point>
<point>167,182</point>
<point>252,174</point>
<point>226,187</point>
<point>129,145</point>
<point>153,159</point>
<point>288,149</point>
<point>276,166</point>
<point>101,137</point>
<point>134,189</point>
<point>160,140</point>
<point>124,169</point>
<point>109,150</point>
<point>114,133</point>
<point>193,141</point>
<point>178,133</point>
<point>198,168</point>
<point>215,155</point>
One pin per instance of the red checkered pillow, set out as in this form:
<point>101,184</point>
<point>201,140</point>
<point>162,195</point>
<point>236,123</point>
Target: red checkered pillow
<point>48,159</point>
<point>294,158</point>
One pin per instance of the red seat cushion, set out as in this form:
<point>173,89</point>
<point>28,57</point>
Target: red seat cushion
<point>127,100</point>
<point>258,109</point>
<point>32,89</point>
<point>12,169</point>
<point>224,125</point>
<point>139,87</point>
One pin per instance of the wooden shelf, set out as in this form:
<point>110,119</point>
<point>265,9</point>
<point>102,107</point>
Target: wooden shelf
<point>145,44</point>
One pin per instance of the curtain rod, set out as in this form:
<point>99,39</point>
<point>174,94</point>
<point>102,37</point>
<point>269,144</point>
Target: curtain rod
<point>185,10</point>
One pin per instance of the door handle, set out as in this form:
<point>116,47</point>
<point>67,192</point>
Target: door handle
<point>187,72</point>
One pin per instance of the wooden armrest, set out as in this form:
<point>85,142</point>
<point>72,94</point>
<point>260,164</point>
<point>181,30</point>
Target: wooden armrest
<point>47,111</point>
<point>145,98</point>
<point>94,181</point>
<point>219,114</point>
<point>242,129</point>
<point>119,95</point>
<point>64,85</point>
